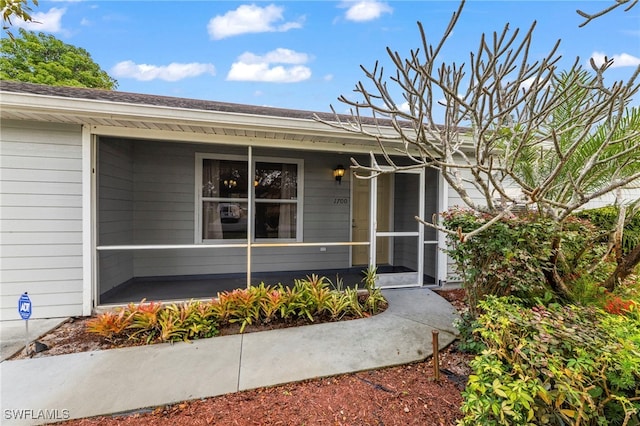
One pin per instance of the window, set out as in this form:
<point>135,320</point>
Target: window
<point>276,197</point>
<point>224,199</point>
<point>224,196</point>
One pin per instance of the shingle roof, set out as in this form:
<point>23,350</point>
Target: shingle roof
<point>165,101</point>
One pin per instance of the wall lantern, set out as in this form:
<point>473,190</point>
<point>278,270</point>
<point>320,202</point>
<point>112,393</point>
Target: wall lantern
<point>338,172</point>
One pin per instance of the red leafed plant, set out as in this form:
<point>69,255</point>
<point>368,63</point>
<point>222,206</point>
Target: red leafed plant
<point>109,324</point>
<point>619,306</point>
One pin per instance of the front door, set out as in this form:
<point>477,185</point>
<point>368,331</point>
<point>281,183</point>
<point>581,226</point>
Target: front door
<point>360,226</point>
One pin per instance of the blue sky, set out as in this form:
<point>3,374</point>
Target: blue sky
<point>304,54</point>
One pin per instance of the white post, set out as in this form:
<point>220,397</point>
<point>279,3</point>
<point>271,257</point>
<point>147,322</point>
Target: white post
<point>250,194</point>
<point>26,345</point>
<point>373,221</point>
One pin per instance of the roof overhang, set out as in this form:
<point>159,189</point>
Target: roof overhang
<point>109,118</point>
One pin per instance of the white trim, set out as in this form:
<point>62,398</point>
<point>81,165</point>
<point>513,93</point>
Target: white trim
<point>208,246</point>
<point>167,246</point>
<point>88,109</point>
<point>398,234</point>
<point>87,221</point>
<point>197,182</point>
<point>351,220</point>
<point>443,206</point>
<point>421,209</point>
<point>250,208</point>
<point>373,222</point>
<point>330,144</point>
<point>419,233</point>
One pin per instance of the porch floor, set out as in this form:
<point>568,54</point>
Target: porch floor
<point>208,286</point>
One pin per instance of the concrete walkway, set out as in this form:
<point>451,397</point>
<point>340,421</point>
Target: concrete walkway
<point>13,334</point>
<point>41,390</point>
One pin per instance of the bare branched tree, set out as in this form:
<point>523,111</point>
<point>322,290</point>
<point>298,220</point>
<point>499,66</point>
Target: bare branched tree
<point>516,131</point>
<point>561,139</point>
<point>588,17</point>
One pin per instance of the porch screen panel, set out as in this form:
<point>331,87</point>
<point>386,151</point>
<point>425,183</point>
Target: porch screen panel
<point>276,195</point>
<point>224,199</point>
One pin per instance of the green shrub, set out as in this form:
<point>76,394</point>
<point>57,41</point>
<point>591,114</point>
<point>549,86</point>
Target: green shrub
<point>527,256</point>
<point>605,219</point>
<point>310,298</point>
<point>508,258</point>
<point>238,306</point>
<point>153,322</point>
<point>467,341</point>
<point>554,366</point>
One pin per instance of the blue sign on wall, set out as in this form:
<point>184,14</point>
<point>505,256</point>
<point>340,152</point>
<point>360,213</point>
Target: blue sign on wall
<point>24,306</point>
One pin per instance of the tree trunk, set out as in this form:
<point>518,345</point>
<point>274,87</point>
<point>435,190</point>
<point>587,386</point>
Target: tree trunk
<point>555,281</point>
<point>624,268</point>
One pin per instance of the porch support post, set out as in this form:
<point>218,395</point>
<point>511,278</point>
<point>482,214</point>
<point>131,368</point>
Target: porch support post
<point>88,249</point>
<point>421,210</point>
<point>373,220</point>
<point>250,192</point>
<point>443,205</point>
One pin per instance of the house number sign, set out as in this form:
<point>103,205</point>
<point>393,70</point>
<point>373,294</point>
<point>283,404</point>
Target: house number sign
<point>343,201</point>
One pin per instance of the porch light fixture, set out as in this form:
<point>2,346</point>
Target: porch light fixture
<point>338,172</point>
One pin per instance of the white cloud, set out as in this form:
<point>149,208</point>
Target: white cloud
<point>252,67</point>
<point>526,84</point>
<point>365,10</point>
<point>50,22</point>
<point>250,19</point>
<point>621,60</point>
<point>171,72</point>
<point>328,77</point>
<point>280,55</point>
<point>404,107</point>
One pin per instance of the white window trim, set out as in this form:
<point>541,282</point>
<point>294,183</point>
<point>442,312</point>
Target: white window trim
<point>199,199</point>
<point>299,201</point>
<point>299,196</point>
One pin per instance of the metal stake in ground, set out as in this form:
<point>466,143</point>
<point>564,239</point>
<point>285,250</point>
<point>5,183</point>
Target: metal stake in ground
<point>24,309</point>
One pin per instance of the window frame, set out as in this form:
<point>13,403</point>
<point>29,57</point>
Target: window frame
<point>298,200</point>
<point>251,200</point>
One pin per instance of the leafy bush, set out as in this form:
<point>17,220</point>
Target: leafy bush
<point>467,341</point>
<point>240,305</point>
<point>109,324</point>
<point>527,256</point>
<point>605,219</point>
<point>509,258</point>
<point>553,366</point>
<point>619,306</point>
<point>337,305</point>
<point>310,299</point>
<point>154,322</point>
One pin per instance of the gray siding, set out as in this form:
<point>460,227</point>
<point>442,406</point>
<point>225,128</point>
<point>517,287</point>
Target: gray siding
<point>454,200</point>
<point>150,199</point>
<point>41,218</point>
<point>115,212</point>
